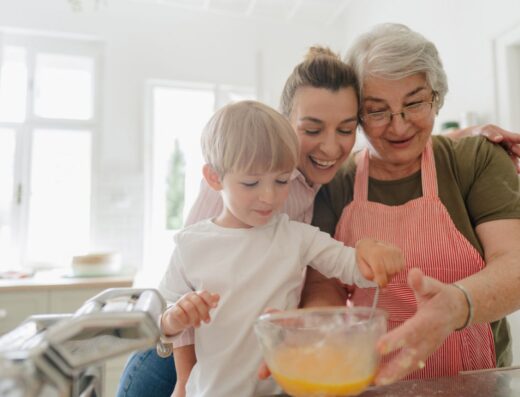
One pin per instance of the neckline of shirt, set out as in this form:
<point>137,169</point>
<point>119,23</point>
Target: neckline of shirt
<point>234,230</point>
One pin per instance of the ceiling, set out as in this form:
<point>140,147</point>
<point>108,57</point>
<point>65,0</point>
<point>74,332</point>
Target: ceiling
<point>323,12</point>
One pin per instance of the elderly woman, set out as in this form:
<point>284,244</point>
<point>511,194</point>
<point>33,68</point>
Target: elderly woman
<point>452,206</point>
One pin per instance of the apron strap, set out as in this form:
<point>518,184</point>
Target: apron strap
<point>361,179</point>
<point>428,174</point>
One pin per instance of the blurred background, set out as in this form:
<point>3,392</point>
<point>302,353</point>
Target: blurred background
<point>102,103</point>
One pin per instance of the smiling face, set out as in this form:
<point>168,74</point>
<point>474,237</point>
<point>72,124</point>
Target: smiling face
<point>325,122</point>
<point>252,199</point>
<point>395,149</point>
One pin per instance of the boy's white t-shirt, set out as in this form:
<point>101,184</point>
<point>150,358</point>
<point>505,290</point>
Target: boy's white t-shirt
<point>251,269</point>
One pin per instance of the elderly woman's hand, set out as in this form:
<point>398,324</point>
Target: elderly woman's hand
<point>510,141</point>
<point>441,308</point>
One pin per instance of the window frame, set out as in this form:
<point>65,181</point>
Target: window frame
<point>36,42</point>
<point>220,92</point>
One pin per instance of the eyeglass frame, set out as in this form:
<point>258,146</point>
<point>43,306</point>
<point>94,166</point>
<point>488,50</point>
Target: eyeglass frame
<point>402,112</point>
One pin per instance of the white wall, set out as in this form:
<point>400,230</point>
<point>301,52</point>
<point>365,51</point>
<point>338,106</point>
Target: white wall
<point>157,42</point>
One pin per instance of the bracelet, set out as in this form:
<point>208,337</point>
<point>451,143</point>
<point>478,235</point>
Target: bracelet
<point>469,301</point>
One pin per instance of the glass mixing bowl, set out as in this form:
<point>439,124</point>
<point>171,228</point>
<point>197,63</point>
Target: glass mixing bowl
<point>322,352</point>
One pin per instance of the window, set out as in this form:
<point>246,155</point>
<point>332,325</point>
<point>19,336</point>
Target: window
<point>48,99</point>
<point>7,156</point>
<point>59,203</point>
<point>178,113</point>
<point>59,78</point>
<point>13,84</point>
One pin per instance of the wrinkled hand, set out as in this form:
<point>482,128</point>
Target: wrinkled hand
<point>189,311</point>
<point>510,141</point>
<point>379,261</point>
<point>440,308</point>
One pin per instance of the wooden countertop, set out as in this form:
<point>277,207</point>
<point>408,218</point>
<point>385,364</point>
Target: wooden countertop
<point>61,280</point>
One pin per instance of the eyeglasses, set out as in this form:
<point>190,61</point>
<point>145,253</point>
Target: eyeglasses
<point>413,112</point>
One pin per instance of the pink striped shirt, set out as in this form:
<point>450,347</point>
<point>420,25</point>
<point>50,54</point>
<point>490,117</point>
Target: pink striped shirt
<point>299,206</point>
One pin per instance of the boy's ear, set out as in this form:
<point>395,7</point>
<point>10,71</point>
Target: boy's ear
<point>212,177</point>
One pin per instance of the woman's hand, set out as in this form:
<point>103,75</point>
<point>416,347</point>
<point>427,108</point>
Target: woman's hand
<point>441,308</point>
<point>510,141</point>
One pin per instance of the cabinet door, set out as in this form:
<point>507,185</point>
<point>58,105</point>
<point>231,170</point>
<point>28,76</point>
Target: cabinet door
<point>17,306</point>
<point>113,371</point>
<point>70,300</point>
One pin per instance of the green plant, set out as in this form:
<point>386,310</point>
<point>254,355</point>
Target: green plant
<point>175,188</point>
<point>79,5</point>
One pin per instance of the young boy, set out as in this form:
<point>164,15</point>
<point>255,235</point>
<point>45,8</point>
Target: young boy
<point>249,257</point>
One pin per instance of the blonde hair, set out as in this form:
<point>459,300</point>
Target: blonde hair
<point>394,51</point>
<point>321,68</point>
<point>249,137</point>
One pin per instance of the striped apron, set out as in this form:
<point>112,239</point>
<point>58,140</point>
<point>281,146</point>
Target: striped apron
<point>423,229</point>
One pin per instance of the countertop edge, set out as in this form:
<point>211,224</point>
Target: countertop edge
<point>65,283</point>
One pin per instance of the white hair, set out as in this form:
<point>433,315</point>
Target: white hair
<point>394,51</point>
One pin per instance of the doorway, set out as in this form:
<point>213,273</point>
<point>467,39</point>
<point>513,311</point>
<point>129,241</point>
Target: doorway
<point>507,76</point>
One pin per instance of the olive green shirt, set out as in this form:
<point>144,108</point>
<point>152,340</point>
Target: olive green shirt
<point>477,183</point>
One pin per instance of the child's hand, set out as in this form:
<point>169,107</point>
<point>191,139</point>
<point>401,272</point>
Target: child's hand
<point>378,261</point>
<point>189,311</point>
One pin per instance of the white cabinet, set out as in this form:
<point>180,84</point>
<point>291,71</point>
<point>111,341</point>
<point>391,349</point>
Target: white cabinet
<point>113,370</point>
<point>70,300</point>
<point>17,302</point>
<point>17,306</point>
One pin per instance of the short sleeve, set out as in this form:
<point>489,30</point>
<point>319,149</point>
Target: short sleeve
<point>333,197</point>
<point>494,193</point>
<point>324,216</point>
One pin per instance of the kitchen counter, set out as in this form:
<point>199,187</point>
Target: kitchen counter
<point>63,281</point>
<point>53,292</point>
<point>488,383</point>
